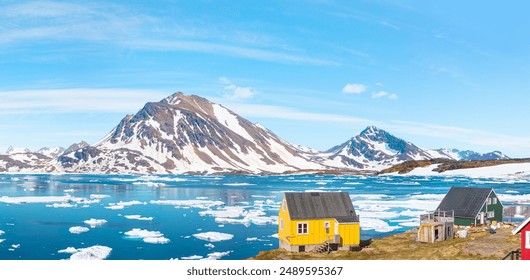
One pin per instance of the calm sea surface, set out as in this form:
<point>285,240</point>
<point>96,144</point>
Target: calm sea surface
<point>193,217</point>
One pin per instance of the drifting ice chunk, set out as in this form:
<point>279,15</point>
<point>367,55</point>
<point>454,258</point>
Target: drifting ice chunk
<point>95,222</point>
<point>78,230</point>
<point>153,237</point>
<point>213,236</point>
<point>138,217</point>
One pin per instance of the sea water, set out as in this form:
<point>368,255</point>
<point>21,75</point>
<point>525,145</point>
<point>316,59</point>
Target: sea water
<point>162,217</point>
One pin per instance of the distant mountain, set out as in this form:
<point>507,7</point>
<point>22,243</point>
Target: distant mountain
<point>467,155</point>
<point>185,133</point>
<point>373,149</point>
<point>17,150</point>
<point>189,134</point>
<point>376,149</point>
<point>51,152</point>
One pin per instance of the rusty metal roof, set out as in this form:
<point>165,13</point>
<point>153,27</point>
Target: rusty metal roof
<point>321,205</point>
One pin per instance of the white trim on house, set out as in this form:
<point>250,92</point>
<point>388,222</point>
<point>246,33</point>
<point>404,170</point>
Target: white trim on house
<point>521,226</point>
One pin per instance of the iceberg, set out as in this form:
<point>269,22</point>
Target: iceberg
<point>213,236</point>
<point>95,222</point>
<point>78,230</point>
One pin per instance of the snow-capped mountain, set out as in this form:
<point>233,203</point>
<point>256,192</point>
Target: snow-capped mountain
<point>376,149</point>
<point>185,134</point>
<point>372,149</point>
<point>17,150</point>
<point>51,152</point>
<point>466,155</point>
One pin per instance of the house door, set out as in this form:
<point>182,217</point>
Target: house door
<point>336,228</point>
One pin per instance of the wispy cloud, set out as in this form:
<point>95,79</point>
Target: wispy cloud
<point>125,28</point>
<point>287,113</point>
<point>381,94</point>
<point>229,50</point>
<point>354,88</point>
<point>235,92</point>
<point>76,100</point>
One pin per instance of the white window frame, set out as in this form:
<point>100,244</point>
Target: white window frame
<point>527,245</point>
<point>494,200</point>
<point>490,214</point>
<point>306,228</point>
<point>281,223</point>
<point>488,200</point>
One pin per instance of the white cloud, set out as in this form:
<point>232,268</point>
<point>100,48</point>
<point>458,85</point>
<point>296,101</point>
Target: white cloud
<point>76,100</point>
<point>235,92</point>
<point>380,94</point>
<point>379,84</point>
<point>354,88</point>
<point>280,112</point>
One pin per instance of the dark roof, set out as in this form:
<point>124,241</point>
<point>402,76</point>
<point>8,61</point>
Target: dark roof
<point>466,202</point>
<point>321,205</point>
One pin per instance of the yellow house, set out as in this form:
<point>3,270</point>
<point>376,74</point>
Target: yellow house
<point>308,220</point>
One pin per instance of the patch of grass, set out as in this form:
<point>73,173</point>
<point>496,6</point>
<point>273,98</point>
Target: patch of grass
<point>479,245</point>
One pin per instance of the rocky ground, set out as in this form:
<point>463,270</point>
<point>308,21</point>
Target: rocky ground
<point>480,244</point>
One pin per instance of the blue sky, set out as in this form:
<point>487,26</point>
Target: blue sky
<point>438,74</point>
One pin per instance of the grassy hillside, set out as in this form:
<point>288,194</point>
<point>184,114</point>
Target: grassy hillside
<point>446,164</point>
<point>479,245</point>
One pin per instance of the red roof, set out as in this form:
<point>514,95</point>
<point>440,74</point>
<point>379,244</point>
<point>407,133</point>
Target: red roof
<point>521,226</point>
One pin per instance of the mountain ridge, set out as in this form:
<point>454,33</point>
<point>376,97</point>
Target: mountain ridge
<point>189,134</point>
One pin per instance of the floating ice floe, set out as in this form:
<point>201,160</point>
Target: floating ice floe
<point>34,199</point>
<point>61,205</point>
<point>138,217</point>
<point>69,190</point>
<point>518,198</point>
<point>274,235</point>
<point>153,237</point>
<point>2,232</point>
<point>2,240</point>
<point>95,222</point>
<point>99,196</point>
<point>78,230</point>
<point>377,225</point>
<point>378,214</point>
<point>97,252</point>
<point>209,245</point>
<point>194,257</point>
<point>69,250</point>
<point>211,256</point>
<point>150,184</point>
<point>410,213</point>
<point>202,204</point>
<point>213,236</point>
<point>15,246</point>
<point>238,184</point>
<point>217,255</point>
<point>122,204</point>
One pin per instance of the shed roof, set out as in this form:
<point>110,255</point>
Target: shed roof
<point>466,202</point>
<point>321,205</point>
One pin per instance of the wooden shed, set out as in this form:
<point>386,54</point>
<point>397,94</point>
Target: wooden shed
<point>309,220</point>
<point>472,206</point>
<point>524,229</point>
<point>435,227</point>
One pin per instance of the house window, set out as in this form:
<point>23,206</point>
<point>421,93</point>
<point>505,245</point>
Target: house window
<point>302,228</point>
<point>284,206</point>
<point>488,201</point>
<point>491,214</point>
<point>281,224</point>
<point>527,245</point>
<point>494,200</point>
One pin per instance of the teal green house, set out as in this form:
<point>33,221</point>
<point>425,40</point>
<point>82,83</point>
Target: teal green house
<point>472,206</point>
